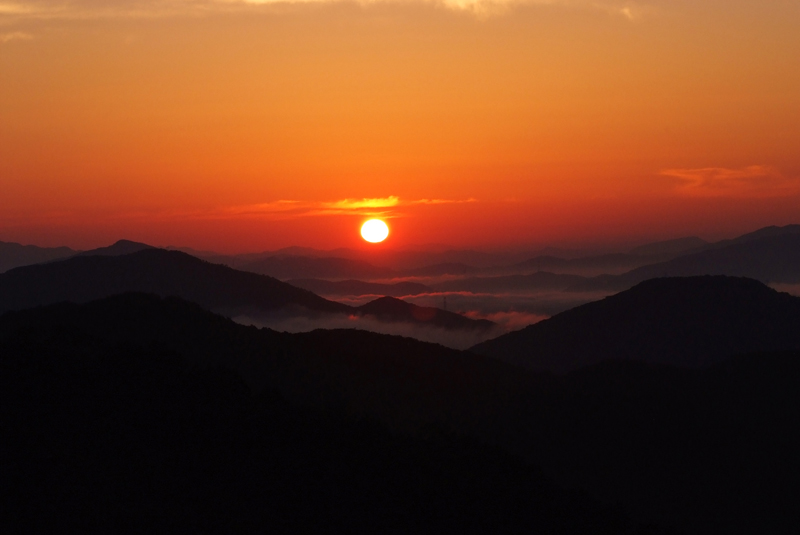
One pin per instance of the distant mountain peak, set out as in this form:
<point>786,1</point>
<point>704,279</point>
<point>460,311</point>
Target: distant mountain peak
<point>119,248</point>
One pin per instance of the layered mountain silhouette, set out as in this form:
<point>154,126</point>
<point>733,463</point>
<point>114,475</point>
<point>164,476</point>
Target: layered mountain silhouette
<point>692,322</point>
<point>589,265</point>
<point>215,287</point>
<point>14,255</point>
<point>541,280</point>
<point>612,262</point>
<point>303,267</point>
<point>671,247</point>
<point>137,404</point>
<point>356,287</point>
<point>769,255</point>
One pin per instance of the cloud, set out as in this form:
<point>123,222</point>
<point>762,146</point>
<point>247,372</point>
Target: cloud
<point>15,36</point>
<point>386,207</point>
<point>89,9</point>
<point>752,181</point>
<point>443,201</point>
<point>356,204</point>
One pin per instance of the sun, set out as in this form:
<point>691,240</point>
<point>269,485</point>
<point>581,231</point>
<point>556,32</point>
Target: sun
<point>374,231</point>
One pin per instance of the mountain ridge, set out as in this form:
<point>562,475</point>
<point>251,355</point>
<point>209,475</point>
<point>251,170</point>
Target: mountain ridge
<point>692,321</point>
<point>214,286</point>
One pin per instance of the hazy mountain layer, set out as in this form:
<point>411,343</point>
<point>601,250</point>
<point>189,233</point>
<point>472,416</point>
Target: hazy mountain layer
<point>213,286</point>
<point>774,258</point>
<point>355,287</point>
<point>14,255</point>
<point>541,280</point>
<point>694,322</point>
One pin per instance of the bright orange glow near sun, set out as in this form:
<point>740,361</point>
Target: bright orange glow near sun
<point>374,231</point>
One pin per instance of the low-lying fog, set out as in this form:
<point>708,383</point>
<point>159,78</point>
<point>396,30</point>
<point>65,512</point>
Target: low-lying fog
<point>510,311</point>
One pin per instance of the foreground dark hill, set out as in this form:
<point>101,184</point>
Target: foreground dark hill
<point>14,255</point>
<point>125,402</point>
<point>693,321</point>
<point>215,287</point>
<point>106,435</point>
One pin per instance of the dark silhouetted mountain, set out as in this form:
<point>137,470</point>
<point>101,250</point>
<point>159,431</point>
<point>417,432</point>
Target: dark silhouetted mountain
<point>355,287</point>
<point>15,255</point>
<point>215,287</point>
<point>393,309</point>
<point>301,267</point>
<point>120,248</point>
<point>768,259</point>
<point>541,280</point>
<point>766,232</point>
<point>694,322</point>
<point>122,411</point>
<point>670,247</point>
<point>102,435</point>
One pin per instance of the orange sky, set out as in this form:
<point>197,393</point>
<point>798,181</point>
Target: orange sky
<point>241,126</point>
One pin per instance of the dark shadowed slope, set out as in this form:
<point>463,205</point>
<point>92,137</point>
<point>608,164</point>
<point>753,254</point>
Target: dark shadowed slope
<point>771,258</point>
<point>215,287</point>
<point>392,309</point>
<point>122,402</point>
<point>356,287</point>
<point>367,373</point>
<point>103,434</point>
<point>691,322</point>
<point>15,255</point>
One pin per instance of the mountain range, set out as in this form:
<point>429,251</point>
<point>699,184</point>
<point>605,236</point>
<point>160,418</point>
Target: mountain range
<point>14,255</point>
<point>692,322</point>
<point>131,414</point>
<point>110,398</point>
<point>766,256</point>
<point>216,287</point>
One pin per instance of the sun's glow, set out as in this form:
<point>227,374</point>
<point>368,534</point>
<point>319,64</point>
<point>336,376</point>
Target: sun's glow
<point>374,231</point>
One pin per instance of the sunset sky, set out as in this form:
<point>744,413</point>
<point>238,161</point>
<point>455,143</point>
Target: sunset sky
<point>244,125</point>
